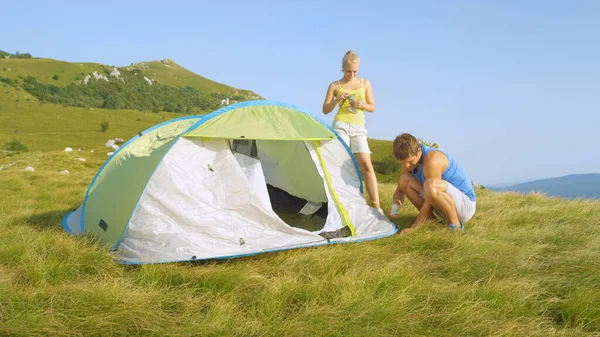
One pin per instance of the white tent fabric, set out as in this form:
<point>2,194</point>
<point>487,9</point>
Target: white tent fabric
<point>199,204</point>
<point>256,177</point>
<point>344,179</point>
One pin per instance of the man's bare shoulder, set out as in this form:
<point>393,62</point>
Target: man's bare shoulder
<point>435,158</point>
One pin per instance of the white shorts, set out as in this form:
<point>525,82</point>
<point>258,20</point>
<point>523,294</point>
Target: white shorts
<point>465,207</point>
<point>355,135</point>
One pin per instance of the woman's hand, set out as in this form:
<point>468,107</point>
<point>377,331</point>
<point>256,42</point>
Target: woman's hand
<point>357,104</point>
<point>342,97</point>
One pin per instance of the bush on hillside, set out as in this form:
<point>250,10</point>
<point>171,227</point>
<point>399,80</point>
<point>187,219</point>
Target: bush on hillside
<point>17,55</point>
<point>22,55</point>
<point>13,82</point>
<point>15,145</point>
<point>132,93</point>
<point>387,165</point>
<point>104,126</point>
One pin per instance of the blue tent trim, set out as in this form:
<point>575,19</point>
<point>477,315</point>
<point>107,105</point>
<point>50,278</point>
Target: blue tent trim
<point>64,223</point>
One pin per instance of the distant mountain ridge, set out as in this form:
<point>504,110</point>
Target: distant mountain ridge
<point>571,186</point>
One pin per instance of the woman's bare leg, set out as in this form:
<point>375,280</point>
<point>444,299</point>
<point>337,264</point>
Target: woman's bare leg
<point>366,169</point>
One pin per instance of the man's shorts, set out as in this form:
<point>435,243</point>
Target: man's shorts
<point>355,135</point>
<point>465,207</point>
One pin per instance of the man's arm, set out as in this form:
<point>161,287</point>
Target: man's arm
<point>398,196</point>
<point>434,164</point>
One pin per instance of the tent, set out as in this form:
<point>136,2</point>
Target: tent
<point>249,178</point>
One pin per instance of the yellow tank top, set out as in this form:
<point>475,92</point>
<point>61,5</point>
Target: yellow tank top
<point>344,113</point>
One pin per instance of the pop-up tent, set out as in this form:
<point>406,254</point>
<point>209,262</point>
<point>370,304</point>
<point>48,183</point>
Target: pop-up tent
<point>251,177</point>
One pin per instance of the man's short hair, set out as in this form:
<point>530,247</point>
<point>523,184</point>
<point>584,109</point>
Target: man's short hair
<point>405,145</point>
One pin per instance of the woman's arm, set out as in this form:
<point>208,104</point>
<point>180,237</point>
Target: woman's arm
<point>330,100</point>
<point>369,105</point>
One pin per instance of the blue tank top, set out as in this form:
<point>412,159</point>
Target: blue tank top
<point>454,174</point>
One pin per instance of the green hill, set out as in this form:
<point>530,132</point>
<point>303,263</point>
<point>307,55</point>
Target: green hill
<point>165,71</point>
<point>168,72</point>
<point>527,265</point>
<point>145,86</point>
<point>44,69</point>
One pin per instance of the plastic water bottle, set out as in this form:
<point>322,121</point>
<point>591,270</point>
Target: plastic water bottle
<point>352,98</point>
<point>394,209</point>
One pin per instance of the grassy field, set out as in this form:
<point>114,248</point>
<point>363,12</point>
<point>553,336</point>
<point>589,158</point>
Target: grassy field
<point>47,127</point>
<point>44,69</point>
<point>526,265</point>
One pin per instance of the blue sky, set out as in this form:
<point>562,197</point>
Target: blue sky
<point>510,88</point>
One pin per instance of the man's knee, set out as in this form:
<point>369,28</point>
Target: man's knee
<point>404,182</point>
<point>433,187</point>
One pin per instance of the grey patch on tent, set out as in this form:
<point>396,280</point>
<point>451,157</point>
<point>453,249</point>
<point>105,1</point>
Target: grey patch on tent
<point>340,233</point>
<point>103,225</point>
<point>245,146</point>
<point>242,241</point>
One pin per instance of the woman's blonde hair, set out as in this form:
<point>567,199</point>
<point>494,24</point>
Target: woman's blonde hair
<point>349,58</point>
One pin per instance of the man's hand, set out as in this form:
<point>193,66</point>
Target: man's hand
<point>406,230</point>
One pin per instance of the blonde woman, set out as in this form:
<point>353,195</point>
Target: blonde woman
<point>354,96</point>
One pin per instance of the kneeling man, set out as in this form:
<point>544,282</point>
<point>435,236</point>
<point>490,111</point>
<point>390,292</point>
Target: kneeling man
<point>433,181</point>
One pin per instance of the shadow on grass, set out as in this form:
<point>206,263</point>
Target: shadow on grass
<point>404,221</point>
<point>45,220</point>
